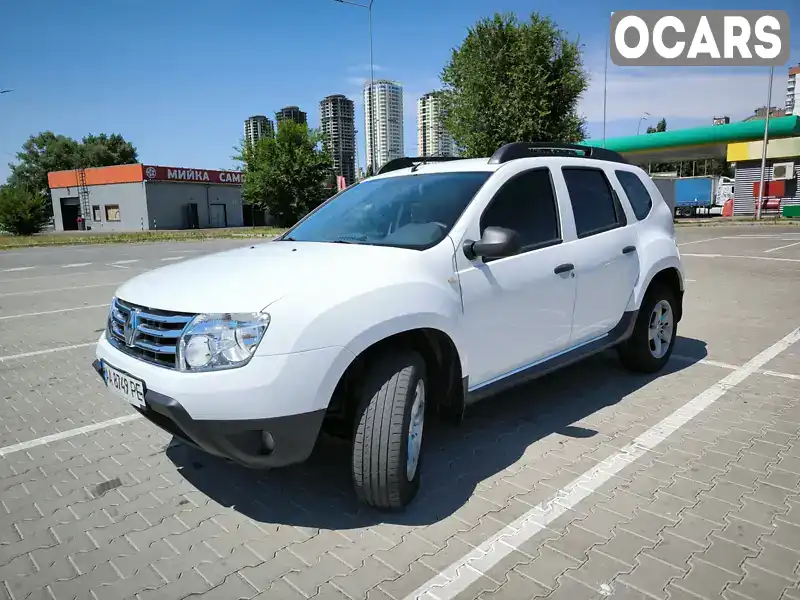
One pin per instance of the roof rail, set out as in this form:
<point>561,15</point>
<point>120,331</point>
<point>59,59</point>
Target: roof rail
<point>533,149</point>
<point>410,161</point>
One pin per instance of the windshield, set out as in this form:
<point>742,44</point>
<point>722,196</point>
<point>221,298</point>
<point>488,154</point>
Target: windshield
<point>408,211</point>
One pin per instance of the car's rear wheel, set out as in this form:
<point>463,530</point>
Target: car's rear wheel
<point>653,339</point>
<point>387,445</point>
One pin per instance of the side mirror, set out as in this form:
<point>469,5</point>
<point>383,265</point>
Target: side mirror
<point>496,242</point>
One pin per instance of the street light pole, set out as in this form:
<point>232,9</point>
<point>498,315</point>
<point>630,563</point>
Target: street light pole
<point>371,113</point>
<point>605,80</point>
<point>642,118</point>
<point>764,149</point>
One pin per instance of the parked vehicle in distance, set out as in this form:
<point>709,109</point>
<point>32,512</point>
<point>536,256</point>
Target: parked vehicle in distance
<point>434,284</point>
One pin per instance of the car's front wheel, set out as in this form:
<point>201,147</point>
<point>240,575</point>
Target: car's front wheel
<point>653,339</point>
<point>387,445</point>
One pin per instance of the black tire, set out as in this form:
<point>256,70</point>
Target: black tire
<point>635,353</point>
<point>380,441</point>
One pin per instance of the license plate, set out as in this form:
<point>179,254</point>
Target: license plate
<point>125,386</point>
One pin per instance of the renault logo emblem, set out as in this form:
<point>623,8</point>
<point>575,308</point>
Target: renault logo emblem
<point>131,327</point>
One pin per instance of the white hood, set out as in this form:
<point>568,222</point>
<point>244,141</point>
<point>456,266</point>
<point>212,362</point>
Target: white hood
<point>250,278</point>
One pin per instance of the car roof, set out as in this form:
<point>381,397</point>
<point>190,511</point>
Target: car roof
<point>547,153</point>
<point>484,164</point>
<point>449,166</point>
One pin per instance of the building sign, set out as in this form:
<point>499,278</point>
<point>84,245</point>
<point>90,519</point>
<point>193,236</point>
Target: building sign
<point>156,173</point>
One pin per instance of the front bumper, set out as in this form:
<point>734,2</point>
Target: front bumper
<point>254,443</point>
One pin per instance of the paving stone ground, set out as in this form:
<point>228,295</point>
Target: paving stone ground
<point>125,513</point>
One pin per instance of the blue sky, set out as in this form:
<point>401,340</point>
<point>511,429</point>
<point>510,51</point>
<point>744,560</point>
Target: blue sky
<point>178,77</point>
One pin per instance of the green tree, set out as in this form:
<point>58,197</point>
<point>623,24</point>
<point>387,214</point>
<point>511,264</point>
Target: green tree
<point>47,152</point>
<point>660,126</point>
<point>286,174</point>
<point>513,81</point>
<point>21,211</point>
<point>370,172</point>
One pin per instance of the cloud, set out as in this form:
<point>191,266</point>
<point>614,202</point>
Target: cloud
<point>357,81</point>
<point>679,92</point>
<point>365,67</point>
<point>686,95</point>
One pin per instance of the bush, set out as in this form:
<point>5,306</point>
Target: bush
<point>22,212</point>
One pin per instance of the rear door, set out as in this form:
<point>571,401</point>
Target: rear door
<point>606,257</point>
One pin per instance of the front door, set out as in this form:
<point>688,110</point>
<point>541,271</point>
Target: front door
<point>607,257</point>
<point>517,309</point>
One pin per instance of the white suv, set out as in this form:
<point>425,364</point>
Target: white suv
<point>427,287</point>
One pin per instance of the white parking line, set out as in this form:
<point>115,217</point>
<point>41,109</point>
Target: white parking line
<point>705,361</point>
<point>703,240</point>
<point>467,570</point>
<point>66,434</point>
<point>723,365</point>
<point>125,262</point>
<point>69,274</point>
<point>14,269</point>
<point>737,256</point>
<point>173,257</point>
<point>73,265</point>
<point>63,289</point>
<point>48,351</point>
<point>782,247</point>
<point>52,312</point>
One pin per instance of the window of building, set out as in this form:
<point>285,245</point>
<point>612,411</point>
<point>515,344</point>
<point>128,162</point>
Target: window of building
<point>112,212</point>
<point>594,204</point>
<point>527,204</point>
<point>637,193</point>
<point>96,213</point>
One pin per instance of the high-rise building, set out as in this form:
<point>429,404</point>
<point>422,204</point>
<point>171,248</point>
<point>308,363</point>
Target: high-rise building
<point>793,91</point>
<point>291,113</point>
<point>383,122</point>
<point>432,137</point>
<point>257,127</point>
<point>337,122</point>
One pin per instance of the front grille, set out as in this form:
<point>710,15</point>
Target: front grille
<point>155,335</point>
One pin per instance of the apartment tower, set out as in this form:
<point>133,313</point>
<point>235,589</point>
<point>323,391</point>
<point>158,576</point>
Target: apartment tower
<point>257,127</point>
<point>291,113</point>
<point>793,91</point>
<point>432,137</point>
<point>383,122</point>
<point>337,122</point>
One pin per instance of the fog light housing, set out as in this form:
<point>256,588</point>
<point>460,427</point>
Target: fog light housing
<point>267,442</point>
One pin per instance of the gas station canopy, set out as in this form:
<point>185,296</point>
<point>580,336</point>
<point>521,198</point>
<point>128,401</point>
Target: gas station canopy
<point>698,143</point>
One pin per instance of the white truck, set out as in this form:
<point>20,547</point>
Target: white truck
<point>430,286</point>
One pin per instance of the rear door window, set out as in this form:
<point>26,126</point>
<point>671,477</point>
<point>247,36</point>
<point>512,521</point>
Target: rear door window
<point>594,203</point>
<point>637,193</point>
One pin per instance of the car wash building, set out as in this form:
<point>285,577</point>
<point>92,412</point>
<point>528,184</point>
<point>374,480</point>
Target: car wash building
<point>145,197</point>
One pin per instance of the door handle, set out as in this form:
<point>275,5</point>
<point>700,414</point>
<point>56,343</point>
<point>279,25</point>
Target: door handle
<point>628,249</point>
<point>565,268</point>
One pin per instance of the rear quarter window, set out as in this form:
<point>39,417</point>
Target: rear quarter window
<point>637,193</point>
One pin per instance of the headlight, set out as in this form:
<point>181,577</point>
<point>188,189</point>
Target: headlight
<point>223,341</point>
<point>113,315</point>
